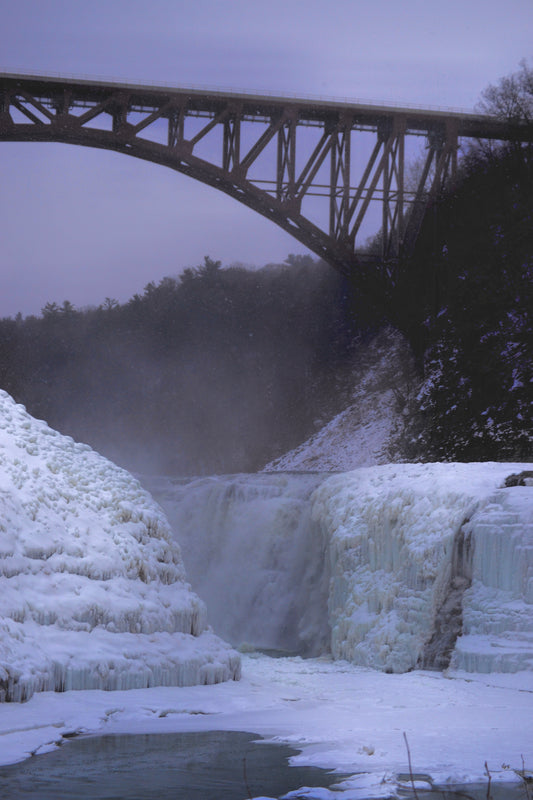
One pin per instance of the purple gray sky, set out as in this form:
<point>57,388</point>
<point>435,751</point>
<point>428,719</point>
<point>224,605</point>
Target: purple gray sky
<point>83,225</point>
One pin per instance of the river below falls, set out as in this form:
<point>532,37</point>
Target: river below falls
<point>215,765</point>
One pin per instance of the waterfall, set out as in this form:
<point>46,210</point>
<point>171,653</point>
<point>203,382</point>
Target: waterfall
<point>395,567</point>
<point>255,556</point>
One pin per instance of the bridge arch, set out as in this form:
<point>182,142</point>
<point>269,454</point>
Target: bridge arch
<point>168,126</point>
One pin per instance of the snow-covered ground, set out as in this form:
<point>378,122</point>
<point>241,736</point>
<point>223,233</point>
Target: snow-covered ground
<point>338,715</point>
<point>393,540</point>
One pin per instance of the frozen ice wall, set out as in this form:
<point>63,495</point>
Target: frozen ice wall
<point>253,553</point>
<point>92,586</point>
<point>383,566</point>
<point>393,532</point>
<point>498,606</point>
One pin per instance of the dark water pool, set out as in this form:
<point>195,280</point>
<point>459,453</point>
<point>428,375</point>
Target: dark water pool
<point>181,766</point>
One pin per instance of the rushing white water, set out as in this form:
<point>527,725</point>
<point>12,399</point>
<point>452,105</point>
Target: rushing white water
<point>256,557</point>
<point>383,566</point>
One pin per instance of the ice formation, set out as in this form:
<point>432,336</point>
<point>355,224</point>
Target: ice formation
<point>383,566</point>
<point>393,531</point>
<point>498,607</point>
<point>92,585</point>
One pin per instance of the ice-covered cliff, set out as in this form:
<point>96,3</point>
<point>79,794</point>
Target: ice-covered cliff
<point>419,553</point>
<point>92,586</point>
<point>497,633</point>
<point>383,566</point>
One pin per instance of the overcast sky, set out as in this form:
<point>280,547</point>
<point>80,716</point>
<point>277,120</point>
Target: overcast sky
<point>83,224</point>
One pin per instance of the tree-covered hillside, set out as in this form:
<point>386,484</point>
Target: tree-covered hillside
<point>470,317</point>
<point>217,370</point>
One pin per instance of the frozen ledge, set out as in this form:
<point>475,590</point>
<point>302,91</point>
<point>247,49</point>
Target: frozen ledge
<point>58,661</point>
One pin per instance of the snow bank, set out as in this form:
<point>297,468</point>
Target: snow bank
<point>92,587</point>
<point>393,531</point>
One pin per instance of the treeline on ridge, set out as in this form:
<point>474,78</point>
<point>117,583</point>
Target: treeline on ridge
<point>217,370</point>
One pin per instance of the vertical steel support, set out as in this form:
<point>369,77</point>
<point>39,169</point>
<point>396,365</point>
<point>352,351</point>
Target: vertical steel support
<point>440,167</point>
<point>6,122</point>
<point>62,103</point>
<point>231,145</point>
<point>393,193</point>
<point>366,193</point>
<point>339,205</point>
<point>119,112</point>
<point>286,161</point>
<point>385,214</point>
<point>5,102</point>
<point>176,126</point>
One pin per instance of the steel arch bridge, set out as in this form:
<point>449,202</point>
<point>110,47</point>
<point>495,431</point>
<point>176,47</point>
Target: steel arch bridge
<point>281,156</point>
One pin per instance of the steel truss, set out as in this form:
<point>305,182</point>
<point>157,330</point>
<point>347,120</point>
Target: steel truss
<point>272,154</point>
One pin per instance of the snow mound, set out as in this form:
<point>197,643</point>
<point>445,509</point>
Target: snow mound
<point>363,434</point>
<point>92,587</point>
<point>393,533</point>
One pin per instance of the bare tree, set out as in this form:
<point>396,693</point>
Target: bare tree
<point>511,98</point>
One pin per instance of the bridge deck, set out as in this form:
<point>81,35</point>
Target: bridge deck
<point>309,110</point>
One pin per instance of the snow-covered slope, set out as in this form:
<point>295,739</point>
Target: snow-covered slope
<point>92,587</point>
<point>364,433</point>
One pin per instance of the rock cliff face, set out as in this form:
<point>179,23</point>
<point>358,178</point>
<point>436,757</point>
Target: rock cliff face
<point>92,585</point>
